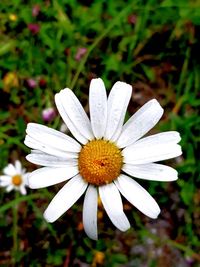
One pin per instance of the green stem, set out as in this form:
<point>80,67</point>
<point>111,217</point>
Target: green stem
<point>15,228</point>
<point>20,199</point>
<point>98,39</point>
<point>184,73</point>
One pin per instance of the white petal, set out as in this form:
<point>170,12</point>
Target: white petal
<point>117,105</point>
<point>152,171</point>
<point>112,203</point>
<point>4,183</point>
<point>25,178</point>
<point>137,196</point>
<point>43,159</point>
<point>52,137</point>
<point>140,123</point>
<point>153,148</point>
<point>9,170</point>
<point>22,189</point>
<point>18,167</point>
<point>45,138</point>
<point>90,212</point>
<point>9,188</point>
<point>74,115</point>
<point>49,149</point>
<point>5,180</point>
<point>48,176</point>
<point>170,137</point>
<point>98,107</point>
<point>74,130</point>
<point>151,154</point>
<point>65,198</point>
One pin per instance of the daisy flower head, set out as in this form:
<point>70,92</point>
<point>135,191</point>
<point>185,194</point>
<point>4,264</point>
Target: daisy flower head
<point>104,157</point>
<point>14,177</point>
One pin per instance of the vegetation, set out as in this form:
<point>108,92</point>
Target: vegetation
<point>153,45</point>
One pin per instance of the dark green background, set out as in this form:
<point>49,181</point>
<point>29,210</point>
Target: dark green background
<point>154,46</point>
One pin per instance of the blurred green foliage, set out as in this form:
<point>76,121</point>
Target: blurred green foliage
<point>153,45</point>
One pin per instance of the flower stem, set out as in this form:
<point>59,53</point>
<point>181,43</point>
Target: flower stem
<point>116,20</point>
<point>18,200</point>
<point>15,229</point>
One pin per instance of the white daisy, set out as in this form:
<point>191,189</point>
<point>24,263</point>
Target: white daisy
<point>15,177</point>
<point>104,156</point>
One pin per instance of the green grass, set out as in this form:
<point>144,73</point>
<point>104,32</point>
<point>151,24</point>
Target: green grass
<point>158,53</point>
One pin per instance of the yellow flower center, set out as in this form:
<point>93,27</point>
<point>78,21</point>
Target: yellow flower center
<point>100,162</point>
<point>17,179</point>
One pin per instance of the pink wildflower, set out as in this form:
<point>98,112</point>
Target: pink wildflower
<point>34,28</point>
<point>80,53</point>
<point>35,10</point>
<point>48,114</point>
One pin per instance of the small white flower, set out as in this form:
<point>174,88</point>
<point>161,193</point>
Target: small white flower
<point>104,156</point>
<point>15,177</point>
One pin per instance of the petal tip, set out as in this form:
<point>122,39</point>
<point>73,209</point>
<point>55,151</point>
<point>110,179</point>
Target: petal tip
<point>179,137</point>
<point>93,237</point>
<point>156,103</point>
<point>126,227</point>
<point>97,84</point>
<point>96,80</point>
<point>48,217</point>
<point>64,90</point>
<point>125,85</point>
<point>156,213</point>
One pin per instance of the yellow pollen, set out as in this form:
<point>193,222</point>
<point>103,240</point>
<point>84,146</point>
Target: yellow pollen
<point>17,179</point>
<point>100,162</point>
